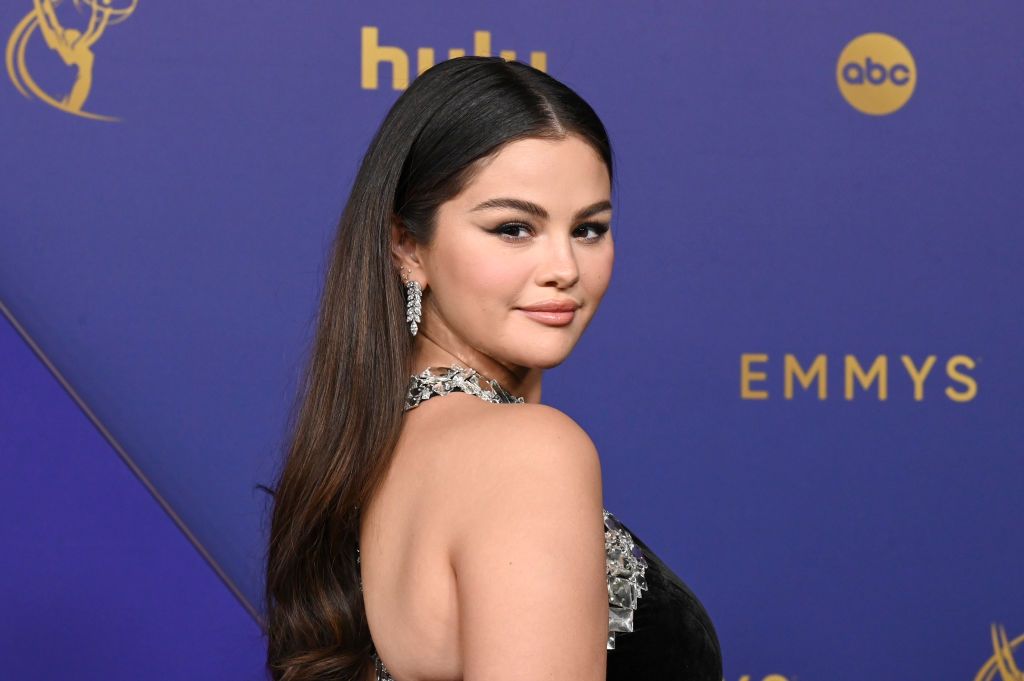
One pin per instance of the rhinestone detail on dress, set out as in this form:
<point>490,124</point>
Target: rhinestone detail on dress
<point>624,561</point>
<point>455,378</point>
<point>625,570</point>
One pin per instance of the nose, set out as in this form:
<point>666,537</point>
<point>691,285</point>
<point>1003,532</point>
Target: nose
<point>559,267</point>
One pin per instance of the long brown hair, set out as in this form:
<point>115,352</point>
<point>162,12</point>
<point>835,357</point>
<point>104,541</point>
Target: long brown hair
<point>348,413</point>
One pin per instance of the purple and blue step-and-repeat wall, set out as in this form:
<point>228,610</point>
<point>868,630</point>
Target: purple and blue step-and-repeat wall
<point>804,381</point>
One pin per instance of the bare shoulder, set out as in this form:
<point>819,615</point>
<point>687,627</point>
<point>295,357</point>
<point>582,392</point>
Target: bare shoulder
<point>476,458</point>
<point>526,449</point>
<point>534,426</point>
<point>527,545</point>
<point>463,444</point>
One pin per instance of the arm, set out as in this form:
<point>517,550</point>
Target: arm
<point>529,553</point>
<point>94,31</point>
<point>49,26</point>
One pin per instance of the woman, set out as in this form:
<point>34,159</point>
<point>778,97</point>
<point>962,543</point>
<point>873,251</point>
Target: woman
<point>433,520</point>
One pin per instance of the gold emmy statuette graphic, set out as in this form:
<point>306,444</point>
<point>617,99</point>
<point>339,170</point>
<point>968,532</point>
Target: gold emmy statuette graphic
<point>72,45</point>
<point>1001,665</point>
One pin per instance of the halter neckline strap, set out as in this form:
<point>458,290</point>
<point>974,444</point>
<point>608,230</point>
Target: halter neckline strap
<point>442,380</point>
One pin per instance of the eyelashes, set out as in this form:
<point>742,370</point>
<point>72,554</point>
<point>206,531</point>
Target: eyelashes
<point>598,230</point>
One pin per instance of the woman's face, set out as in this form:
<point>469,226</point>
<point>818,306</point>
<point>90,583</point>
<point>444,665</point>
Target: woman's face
<point>531,229</point>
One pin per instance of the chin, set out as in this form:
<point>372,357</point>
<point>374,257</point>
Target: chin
<point>546,358</point>
<point>553,363</point>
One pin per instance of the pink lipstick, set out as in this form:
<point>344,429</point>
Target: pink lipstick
<point>552,312</point>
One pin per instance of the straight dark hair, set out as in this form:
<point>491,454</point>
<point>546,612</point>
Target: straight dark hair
<point>348,414</point>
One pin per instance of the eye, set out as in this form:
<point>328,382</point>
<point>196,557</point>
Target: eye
<point>598,230</point>
<point>510,231</point>
<point>588,232</point>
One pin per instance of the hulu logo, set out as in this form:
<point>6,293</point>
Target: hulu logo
<point>374,54</point>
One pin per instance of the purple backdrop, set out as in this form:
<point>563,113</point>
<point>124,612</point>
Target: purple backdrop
<point>166,266</point>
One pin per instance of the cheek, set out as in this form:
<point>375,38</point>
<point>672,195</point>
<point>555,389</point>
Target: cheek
<point>489,277</point>
<point>597,273</point>
<point>495,283</point>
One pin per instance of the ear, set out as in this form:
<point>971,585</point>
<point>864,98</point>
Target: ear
<point>405,252</point>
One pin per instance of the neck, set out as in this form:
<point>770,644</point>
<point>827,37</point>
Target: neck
<point>521,381</point>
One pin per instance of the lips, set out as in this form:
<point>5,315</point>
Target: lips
<point>552,312</point>
<point>550,318</point>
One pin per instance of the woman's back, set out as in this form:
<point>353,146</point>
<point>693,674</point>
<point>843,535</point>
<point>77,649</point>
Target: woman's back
<point>508,497</point>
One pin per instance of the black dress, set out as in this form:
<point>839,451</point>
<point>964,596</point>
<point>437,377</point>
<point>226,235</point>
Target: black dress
<point>672,637</point>
<point>657,628</point>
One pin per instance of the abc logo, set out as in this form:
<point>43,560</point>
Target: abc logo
<point>876,74</point>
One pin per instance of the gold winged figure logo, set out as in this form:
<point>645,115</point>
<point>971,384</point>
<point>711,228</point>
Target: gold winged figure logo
<point>72,45</point>
<point>1002,666</point>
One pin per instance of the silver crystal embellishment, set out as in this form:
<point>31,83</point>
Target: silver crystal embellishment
<point>625,567</point>
<point>455,378</point>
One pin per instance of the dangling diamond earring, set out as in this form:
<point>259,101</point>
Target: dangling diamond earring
<point>413,302</point>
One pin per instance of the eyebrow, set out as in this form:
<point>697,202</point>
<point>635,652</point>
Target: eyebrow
<point>534,209</point>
